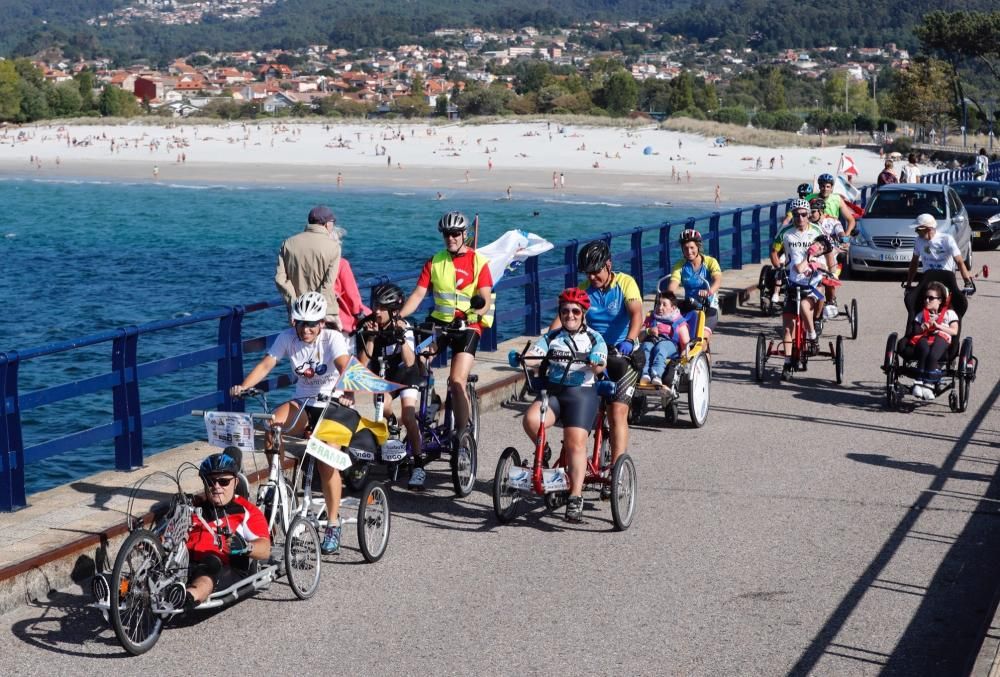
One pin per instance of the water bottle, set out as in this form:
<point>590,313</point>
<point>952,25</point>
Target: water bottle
<point>379,406</point>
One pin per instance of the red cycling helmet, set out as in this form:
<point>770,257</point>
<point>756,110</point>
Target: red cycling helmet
<point>575,295</point>
<point>690,235</point>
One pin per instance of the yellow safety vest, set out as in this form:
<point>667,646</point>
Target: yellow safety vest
<point>448,298</point>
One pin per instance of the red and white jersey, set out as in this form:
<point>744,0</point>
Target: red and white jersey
<point>239,516</point>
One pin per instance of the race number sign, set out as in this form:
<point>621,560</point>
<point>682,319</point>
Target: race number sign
<point>332,456</point>
<point>229,429</point>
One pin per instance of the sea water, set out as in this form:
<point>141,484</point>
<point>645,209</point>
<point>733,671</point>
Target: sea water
<point>80,257</point>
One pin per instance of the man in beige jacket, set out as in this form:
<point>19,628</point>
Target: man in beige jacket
<point>309,261</point>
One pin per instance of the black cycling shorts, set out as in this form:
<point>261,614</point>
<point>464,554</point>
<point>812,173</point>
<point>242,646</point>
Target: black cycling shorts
<point>574,406</point>
<point>625,374</point>
<point>466,342</point>
<point>222,575</point>
<point>791,306</point>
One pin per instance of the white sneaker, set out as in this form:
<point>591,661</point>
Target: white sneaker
<point>918,389</point>
<point>657,381</point>
<point>929,393</point>
<point>644,381</point>
<point>774,297</point>
<point>417,478</point>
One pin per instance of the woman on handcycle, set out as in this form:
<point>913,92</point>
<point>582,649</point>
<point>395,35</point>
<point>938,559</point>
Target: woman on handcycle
<point>318,355</point>
<point>573,397</point>
<point>388,336</point>
<point>929,338</point>
<point>701,277</point>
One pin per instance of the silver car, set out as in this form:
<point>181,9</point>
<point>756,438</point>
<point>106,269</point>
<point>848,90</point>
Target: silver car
<point>884,237</point>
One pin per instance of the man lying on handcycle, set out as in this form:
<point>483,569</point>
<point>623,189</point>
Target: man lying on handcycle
<point>573,399</point>
<point>229,532</point>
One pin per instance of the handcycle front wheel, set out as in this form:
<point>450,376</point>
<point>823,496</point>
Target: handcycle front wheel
<point>853,318</point>
<point>505,499</point>
<point>761,358</point>
<point>135,624</point>
<point>464,463</point>
<point>838,359</point>
<point>624,492</point>
<point>374,521</point>
<point>891,368</point>
<point>302,557</point>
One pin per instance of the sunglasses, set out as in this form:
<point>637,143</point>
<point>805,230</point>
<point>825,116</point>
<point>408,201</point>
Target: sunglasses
<point>825,184</point>
<point>454,233</point>
<point>933,298</point>
<point>307,325</point>
<point>569,310</point>
<point>220,481</point>
<point>802,215</point>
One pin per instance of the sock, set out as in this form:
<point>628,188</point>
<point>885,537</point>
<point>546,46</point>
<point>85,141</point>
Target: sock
<point>810,336</point>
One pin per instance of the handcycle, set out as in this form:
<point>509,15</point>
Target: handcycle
<point>770,278</point>
<point>435,420</point>
<point>145,589</point>
<point>514,479</point>
<point>801,352</point>
<point>690,373</point>
<point>959,365</point>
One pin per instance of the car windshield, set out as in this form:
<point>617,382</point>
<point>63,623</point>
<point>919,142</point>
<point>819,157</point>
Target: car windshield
<point>906,204</point>
<point>978,195</point>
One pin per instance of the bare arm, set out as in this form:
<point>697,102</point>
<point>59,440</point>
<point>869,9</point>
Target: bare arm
<point>413,302</point>
<point>636,319</point>
<point>911,272</point>
<point>487,295</point>
<point>256,375</point>
<point>848,215</point>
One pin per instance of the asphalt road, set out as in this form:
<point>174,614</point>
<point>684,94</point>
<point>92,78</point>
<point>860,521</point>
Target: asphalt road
<point>804,530</point>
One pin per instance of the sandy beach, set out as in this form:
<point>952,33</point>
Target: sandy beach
<point>534,157</point>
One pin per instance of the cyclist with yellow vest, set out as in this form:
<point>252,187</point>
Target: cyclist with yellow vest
<point>455,274</point>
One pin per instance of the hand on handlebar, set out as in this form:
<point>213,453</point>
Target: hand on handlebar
<point>625,347</point>
<point>236,391</point>
<point>596,359</point>
<point>237,545</point>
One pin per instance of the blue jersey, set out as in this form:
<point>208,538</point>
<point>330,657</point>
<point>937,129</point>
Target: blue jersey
<point>609,314</point>
<point>694,280</point>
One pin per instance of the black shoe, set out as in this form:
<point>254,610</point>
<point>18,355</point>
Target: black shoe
<point>547,456</point>
<point>786,372</point>
<point>574,509</point>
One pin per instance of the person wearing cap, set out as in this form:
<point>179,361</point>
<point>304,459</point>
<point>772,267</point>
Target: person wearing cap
<point>935,251</point>
<point>310,261</point>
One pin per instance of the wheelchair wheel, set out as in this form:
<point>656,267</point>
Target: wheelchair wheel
<point>505,499</point>
<point>374,521</point>
<point>135,624</point>
<point>699,390</point>
<point>624,490</point>
<point>470,391</point>
<point>758,372</point>
<point>964,378</point>
<point>302,557</point>
<point>464,462</point>
<point>853,319</point>
<point>891,368</point>
<point>838,359</point>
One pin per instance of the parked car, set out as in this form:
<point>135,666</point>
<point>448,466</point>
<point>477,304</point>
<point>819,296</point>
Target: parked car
<point>982,201</point>
<point>884,237</point>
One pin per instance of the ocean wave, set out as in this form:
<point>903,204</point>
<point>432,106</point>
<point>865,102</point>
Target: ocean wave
<point>9,236</point>
<point>585,202</point>
<point>404,194</point>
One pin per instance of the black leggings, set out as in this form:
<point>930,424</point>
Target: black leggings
<point>928,357</point>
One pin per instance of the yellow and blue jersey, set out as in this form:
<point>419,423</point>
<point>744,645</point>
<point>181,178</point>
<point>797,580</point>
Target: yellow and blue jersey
<point>609,314</point>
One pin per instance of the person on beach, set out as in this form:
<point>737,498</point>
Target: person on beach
<point>310,261</point>
<point>886,176</point>
<point>456,275</point>
<point>718,195</point>
<point>911,171</point>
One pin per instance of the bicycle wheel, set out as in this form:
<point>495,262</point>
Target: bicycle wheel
<point>699,390</point>
<point>854,319</point>
<point>136,626</point>
<point>505,499</point>
<point>624,492</point>
<point>470,391</point>
<point>302,560</point>
<point>374,521</point>
<point>964,380</point>
<point>464,462</point>
<point>891,368</point>
<point>758,372</point>
<point>838,359</point>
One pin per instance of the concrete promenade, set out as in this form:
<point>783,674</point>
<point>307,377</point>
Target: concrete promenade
<point>804,530</point>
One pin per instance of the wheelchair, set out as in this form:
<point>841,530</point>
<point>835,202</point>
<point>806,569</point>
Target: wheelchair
<point>959,364</point>
<point>771,277</point>
<point>690,374</point>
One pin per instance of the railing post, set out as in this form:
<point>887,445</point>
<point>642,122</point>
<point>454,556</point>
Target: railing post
<point>755,234</point>
<point>636,266</point>
<point>737,259</point>
<point>664,250</point>
<point>532,299</point>
<point>570,260</point>
<point>230,367</point>
<point>713,235</point>
<point>12,494</point>
<point>772,222</point>
<point>125,398</point>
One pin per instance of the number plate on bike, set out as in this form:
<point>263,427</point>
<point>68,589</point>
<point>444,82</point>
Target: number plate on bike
<point>225,428</point>
<point>553,479</point>
<point>393,451</point>
<point>333,457</point>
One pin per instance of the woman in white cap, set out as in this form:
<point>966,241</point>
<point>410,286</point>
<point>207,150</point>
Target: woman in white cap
<point>935,251</point>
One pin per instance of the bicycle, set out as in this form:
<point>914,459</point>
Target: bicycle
<point>514,479</point>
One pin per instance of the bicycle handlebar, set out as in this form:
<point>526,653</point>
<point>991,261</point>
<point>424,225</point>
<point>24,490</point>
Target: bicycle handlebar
<point>255,417</point>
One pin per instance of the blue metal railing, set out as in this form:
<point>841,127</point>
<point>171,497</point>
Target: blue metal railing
<point>735,237</point>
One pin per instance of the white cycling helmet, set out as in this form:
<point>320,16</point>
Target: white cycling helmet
<point>799,204</point>
<point>310,307</point>
<point>830,311</point>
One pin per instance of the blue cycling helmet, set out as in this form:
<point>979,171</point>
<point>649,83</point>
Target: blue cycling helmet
<point>804,189</point>
<point>825,178</point>
<point>226,463</point>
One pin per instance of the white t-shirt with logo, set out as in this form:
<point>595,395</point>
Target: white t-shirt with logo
<point>796,244</point>
<point>313,363</point>
<point>938,253</point>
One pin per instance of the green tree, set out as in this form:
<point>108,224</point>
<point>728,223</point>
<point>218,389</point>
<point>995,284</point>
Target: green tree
<point>116,102</point>
<point>682,96</point>
<point>10,92</point>
<point>34,103</point>
<point>922,95</point>
<point>87,84</point>
<point>411,106</point>
<point>65,99</point>
<point>774,91</point>
<point>621,93</point>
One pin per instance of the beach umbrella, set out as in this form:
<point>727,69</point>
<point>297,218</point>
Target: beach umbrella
<point>648,150</point>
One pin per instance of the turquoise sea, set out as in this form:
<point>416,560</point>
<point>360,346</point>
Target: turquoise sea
<point>79,257</point>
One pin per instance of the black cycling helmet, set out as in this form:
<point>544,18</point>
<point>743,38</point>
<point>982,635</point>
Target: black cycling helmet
<point>804,189</point>
<point>825,242</point>
<point>817,203</point>
<point>225,463</point>
<point>452,221</point>
<point>593,256</point>
<point>388,296</point>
